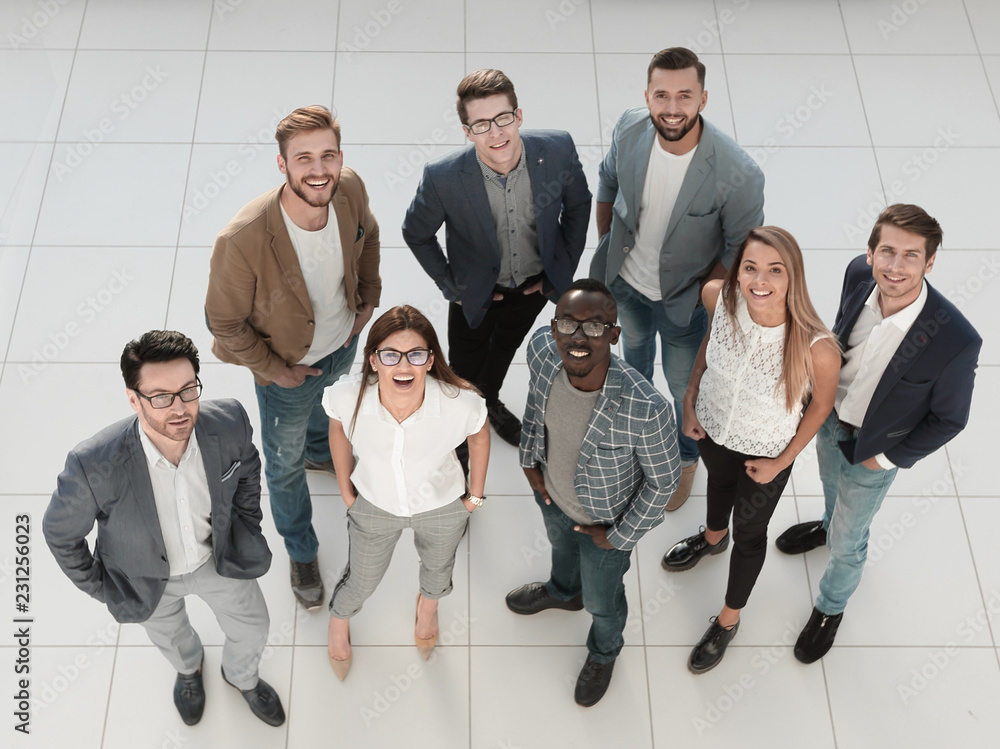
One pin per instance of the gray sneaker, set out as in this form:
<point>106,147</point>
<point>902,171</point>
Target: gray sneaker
<point>325,467</point>
<point>307,584</point>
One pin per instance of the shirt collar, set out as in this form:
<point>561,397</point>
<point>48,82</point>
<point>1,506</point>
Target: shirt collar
<point>430,408</point>
<point>489,174</point>
<point>905,318</point>
<point>154,456</point>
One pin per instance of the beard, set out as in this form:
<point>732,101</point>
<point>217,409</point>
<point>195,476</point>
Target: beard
<point>674,135</point>
<point>311,198</point>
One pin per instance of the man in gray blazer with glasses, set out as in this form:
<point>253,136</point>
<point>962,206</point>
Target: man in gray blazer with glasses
<point>175,493</point>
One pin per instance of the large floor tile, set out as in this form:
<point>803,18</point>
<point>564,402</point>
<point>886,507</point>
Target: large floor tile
<point>262,25</point>
<point>981,515</point>
<point>922,696</point>
<point>29,24</point>
<point>521,678</point>
<point>818,103</point>
<point>90,197</point>
<point>13,263</point>
<point>782,27</point>
<point>973,452</point>
<point>971,280</point>
<point>147,24</point>
<point>36,80</point>
<point>390,698</point>
<point>985,19</point>
<point>885,27</point>
<point>526,26</point>
<point>633,25</point>
<point>379,26</point>
<point>129,96</point>
<point>758,692</point>
<point>21,186</point>
<point>894,88</point>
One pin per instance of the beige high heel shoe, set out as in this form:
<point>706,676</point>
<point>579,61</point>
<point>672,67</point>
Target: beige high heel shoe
<point>341,668</point>
<point>424,645</point>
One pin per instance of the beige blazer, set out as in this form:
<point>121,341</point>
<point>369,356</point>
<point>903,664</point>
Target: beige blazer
<point>257,307</point>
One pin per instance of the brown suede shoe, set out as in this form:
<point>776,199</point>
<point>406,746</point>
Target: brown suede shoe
<point>683,491</point>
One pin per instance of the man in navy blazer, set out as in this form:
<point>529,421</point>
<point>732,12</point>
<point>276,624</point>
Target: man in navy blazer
<point>516,209</point>
<point>676,199</point>
<point>905,390</point>
<point>175,493</point>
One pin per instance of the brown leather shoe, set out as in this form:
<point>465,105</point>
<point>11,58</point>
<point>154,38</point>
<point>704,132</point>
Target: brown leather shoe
<point>683,490</point>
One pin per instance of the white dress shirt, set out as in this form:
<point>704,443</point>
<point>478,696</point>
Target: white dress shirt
<point>183,505</point>
<point>410,467</point>
<point>870,347</point>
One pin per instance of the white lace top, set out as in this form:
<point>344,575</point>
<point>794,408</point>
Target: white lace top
<point>738,403</point>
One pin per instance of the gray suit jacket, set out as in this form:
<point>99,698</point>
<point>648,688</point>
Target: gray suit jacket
<point>452,192</point>
<point>720,201</point>
<point>106,480</point>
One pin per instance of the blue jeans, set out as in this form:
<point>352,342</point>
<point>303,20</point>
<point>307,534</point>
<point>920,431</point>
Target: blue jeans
<point>853,495</point>
<point>641,319</point>
<point>578,565</point>
<point>294,426</point>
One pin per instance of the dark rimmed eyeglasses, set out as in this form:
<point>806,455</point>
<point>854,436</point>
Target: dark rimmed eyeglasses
<point>483,126</point>
<point>591,328</point>
<point>166,400</point>
<point>415,356</point>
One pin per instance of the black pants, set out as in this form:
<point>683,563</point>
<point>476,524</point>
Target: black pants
<point>482,355</point>
<point>731,492</point>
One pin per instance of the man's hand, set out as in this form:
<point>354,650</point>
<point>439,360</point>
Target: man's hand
<point>598,534</point>
<point>535,288</point>
<point>292,377</point>
<point>872,465</point>
<point>537,482</point>
<point>360,320</point>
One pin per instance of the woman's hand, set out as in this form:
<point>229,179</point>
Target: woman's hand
<point>349,500</point>
<point>469,505</point>
<point>691,426</point>
<point>763,470</point>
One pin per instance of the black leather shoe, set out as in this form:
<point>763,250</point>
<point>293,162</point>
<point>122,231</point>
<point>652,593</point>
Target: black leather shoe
<point>685,554</point>
<point>817,636</point>
<point>802,538</point>
<point>534,597</point>
<point>189,695</point>
<point>593,682</point>
<point>707,654</point>
<point>263,701</point>
<point>505,424</point>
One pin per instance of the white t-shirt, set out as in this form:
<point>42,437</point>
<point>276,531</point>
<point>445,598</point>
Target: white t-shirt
<point>664,175</point>
<point>321,258</point>
<point>407,468</point>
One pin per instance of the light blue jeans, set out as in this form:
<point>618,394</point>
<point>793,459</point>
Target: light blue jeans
<point>853,495</point>
<point>294,426</point>
<point>642,319</point>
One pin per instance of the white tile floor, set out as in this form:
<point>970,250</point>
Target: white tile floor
<point>133,130</point>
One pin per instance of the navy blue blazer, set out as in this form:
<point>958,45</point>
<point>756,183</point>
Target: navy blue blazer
<point>924,396</point>
<point>452,192</point>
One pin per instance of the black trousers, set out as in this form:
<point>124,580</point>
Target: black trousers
<point>732,493</point>
<point>482,355</point>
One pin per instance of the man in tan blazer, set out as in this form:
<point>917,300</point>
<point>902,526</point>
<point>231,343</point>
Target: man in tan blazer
<point>292,283</point>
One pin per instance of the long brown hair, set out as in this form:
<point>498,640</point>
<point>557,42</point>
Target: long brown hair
<point>802,324</point>
<point>405,317</point>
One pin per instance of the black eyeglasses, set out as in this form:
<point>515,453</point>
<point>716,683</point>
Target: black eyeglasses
<point>415,356</point>
<point>166,400</point>
<point>483,126</point>
<point>591,328</point>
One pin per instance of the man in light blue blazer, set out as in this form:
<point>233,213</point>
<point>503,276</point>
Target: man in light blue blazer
<point>516,208</point>
<point>676,199</point>
<point>175,493</point>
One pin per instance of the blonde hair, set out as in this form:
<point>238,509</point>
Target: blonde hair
<point>802,324</point>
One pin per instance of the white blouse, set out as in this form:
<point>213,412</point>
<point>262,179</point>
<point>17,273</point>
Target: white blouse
<point>738,403</point>
<point>407,468</point>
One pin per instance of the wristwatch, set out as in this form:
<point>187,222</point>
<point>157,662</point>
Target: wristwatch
<point>477,501</point>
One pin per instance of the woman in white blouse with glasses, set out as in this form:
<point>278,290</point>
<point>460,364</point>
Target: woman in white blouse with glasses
<point>393,432</point>
<point>763,383</point>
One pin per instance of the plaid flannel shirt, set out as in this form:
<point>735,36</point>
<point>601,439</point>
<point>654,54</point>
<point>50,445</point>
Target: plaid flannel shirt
<point>629,465</point>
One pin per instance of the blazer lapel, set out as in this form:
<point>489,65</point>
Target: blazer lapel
<point>136,468</point>
<point>211,458</point>
<point>698,171</point>
<point>851,311</point>
<point>284,251</point>
<point>633,192</point>
<point>479,204</point>
<point>603,415</point>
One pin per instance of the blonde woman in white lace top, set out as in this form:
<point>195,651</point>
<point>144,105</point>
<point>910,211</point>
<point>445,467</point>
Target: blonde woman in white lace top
<point>764,382</point>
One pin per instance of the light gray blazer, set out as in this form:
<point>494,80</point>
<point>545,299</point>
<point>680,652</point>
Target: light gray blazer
<point>106,480</point>
<point>720,201</point>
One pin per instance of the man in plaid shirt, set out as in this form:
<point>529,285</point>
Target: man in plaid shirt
<point>599,449</point>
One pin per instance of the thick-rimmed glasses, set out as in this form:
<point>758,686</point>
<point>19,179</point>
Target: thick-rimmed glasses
<point>483,126</point>
<point>166,400</point>
<point>415,356</point>
<point>591,328</point>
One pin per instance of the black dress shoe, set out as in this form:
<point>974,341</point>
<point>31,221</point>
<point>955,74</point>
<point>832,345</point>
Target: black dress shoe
<point>593,682</point>
<point>802,538</point>
<point>534,597</point>
<point>505,424</point>
<point>707,654</point>
<point>685,554</point>
<point>189,695</point>
<point>263,701</point>
<point>817,636</point>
